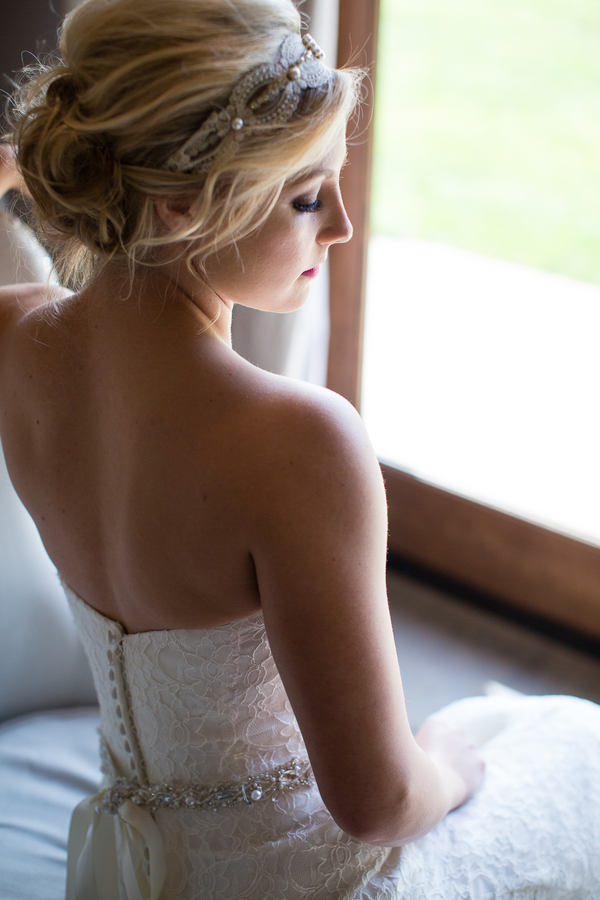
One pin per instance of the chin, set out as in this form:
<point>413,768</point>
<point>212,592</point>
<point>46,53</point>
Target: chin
<point>294,300</point>
<point>298,301</point>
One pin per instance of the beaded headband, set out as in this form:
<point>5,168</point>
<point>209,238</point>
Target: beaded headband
<point>267,94</point>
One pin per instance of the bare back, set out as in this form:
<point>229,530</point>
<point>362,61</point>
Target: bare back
<point>135,443</point>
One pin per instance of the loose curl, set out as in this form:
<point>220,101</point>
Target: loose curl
<point>134,80</point>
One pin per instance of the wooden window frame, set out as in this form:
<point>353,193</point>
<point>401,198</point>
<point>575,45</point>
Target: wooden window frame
<point>357,44</point>
<point>530,567</point>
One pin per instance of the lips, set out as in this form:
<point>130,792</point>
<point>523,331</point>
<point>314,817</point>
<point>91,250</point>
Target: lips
<point>312,273</point>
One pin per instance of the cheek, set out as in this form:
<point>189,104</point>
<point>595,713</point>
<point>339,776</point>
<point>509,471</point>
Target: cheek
<point>279,252</point>
<point>288,249</point>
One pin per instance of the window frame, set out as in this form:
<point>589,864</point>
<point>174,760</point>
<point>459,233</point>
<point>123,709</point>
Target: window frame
<point>521,563</point>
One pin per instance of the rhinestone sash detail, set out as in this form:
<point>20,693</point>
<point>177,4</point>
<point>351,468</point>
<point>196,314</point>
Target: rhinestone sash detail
<point>290,776</point>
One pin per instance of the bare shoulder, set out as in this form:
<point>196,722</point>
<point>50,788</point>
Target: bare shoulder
<point>311,477</point>
<point>307,455</point>
<point>295,424</point>
<point>17,300</point>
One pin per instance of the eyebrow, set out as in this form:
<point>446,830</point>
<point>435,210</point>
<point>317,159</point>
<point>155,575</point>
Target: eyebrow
<point>317,173</point>
<point>308,176</point>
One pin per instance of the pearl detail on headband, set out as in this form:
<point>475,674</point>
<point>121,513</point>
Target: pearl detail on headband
<point>268,94</point>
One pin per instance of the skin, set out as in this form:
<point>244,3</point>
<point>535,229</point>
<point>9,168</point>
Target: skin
<point>177,486</point>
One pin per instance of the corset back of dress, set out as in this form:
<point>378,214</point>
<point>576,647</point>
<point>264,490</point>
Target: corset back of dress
<point>189,711</point>
<point>203,705</point>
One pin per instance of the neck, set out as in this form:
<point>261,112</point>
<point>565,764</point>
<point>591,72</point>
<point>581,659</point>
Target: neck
<point>172,285</point>
<point>212,310</point>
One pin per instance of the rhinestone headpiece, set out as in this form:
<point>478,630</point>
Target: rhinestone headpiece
<point>267,94</point>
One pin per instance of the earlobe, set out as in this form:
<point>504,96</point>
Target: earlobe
<point>174,214</point>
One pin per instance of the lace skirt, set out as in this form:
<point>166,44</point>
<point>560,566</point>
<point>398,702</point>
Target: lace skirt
<point>531,833</point>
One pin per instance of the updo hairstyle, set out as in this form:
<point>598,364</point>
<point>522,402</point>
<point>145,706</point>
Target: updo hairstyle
<point>134,81</point>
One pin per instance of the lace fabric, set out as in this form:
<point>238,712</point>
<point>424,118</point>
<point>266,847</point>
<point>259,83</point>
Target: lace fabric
<point>208,706</point>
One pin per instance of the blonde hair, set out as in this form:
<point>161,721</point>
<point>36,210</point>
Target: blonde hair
<point>135,79</point>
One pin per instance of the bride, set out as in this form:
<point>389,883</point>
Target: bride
<point>220,530</point>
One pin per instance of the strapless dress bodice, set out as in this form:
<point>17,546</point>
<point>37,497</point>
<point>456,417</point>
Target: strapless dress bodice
<point>189,705</point>
<point>189,713</point>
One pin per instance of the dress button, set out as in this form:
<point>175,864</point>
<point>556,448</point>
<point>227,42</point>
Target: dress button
<point>111,674</point>
<point>122,728</point>
<point>112,637</point>
<point>109,655</point>
<point>114,693</point>
<point>127,746</point>
<point>119,712</point>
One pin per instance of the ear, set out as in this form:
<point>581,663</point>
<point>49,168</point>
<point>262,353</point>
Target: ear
<point>174,214</point>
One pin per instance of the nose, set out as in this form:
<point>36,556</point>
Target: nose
<point>338,227</point>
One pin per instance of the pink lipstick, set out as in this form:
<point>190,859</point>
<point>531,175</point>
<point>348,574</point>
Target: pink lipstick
<point>312,273</point>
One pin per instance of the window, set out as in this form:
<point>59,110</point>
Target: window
<point>481,374</point>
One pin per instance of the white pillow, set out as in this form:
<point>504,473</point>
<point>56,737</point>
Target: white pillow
<point>48,763</point>
<point>22,258</point>
<point>42,662</point>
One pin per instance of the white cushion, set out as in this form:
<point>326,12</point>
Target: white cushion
<point>48,763</point>
<point>42,663</point>
<point>22,258</point>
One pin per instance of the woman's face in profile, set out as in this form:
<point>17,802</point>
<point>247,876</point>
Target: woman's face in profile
<point>273,267</point>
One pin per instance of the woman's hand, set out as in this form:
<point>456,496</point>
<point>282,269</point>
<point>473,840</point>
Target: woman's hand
<point>10,177</point>
<point>460,765</point>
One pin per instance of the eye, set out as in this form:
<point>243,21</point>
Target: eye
<point>307,206</point>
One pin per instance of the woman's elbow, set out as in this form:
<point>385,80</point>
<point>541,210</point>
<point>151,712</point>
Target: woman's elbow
<point>388,823</point>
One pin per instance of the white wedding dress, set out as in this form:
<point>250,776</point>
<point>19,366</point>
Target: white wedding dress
<point>208,794</point>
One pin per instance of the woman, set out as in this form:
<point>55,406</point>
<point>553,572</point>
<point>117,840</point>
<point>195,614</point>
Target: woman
<point>186,156</point>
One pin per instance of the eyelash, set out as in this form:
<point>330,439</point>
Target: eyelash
<point>301,207</point>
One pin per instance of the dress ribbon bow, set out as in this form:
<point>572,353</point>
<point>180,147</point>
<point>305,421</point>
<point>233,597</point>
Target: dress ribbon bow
<point>92,867</point>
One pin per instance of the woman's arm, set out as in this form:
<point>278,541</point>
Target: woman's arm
<point>320,552</point>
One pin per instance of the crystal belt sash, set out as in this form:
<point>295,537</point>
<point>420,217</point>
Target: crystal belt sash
<point>190,795</point>
<point>97,842</point>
